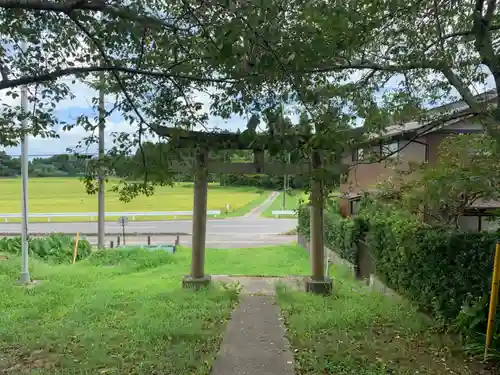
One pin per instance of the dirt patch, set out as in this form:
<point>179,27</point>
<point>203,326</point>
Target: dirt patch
<point>25,363</point>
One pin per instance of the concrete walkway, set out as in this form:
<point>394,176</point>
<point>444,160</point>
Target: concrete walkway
<point>255,342</point>
<point>261,285</point>
<point>257,211</point>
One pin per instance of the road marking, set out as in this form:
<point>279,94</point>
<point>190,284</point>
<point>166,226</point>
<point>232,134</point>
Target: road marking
<point>246,242</point>
<point>239,234</point>
<point>128,227</point>
<point>239,226</point>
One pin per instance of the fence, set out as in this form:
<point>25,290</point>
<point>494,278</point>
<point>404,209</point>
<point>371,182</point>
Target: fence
<point>285,212</point>
<point>92,215</point>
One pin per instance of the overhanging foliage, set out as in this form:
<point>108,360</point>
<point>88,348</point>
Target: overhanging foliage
<point>245,58</point>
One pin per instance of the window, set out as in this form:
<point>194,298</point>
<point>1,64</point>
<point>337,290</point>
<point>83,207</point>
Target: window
<point>390,150</point>
<point>357,155</point>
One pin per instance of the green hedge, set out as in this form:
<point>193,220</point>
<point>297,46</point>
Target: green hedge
<point>445,272</point>
<point>438,268</point>
<point>341,234</point>
<point>56,248</point>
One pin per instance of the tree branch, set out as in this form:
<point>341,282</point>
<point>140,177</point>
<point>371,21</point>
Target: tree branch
<point>463,90</point>
<point>490,11</point>
<point>362,65</point>
<point>52,76</point>
<point>484,46</point>
<point>107,61</point>
<point>90,5</point>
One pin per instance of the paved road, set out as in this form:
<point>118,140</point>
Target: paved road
<point>257,211</point>
<point>247,231</point>
<point>235,232</point>
<point>234,226</point>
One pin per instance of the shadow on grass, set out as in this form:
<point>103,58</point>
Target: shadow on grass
<point>360,332</point>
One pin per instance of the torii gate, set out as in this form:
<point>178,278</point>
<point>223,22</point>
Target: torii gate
<point>205,142</point>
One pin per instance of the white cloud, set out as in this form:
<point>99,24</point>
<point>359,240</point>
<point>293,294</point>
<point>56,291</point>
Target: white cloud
<point>82,101</point>
<point>69,139</point>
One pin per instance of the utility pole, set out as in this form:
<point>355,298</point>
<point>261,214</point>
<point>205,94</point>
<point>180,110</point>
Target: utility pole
<point>100,197</point>
<point>285,185</point>
<point>24,277</point>
<point>285,177</point>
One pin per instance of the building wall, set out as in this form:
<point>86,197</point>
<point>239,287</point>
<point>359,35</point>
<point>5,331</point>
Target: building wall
<point>365,176</point>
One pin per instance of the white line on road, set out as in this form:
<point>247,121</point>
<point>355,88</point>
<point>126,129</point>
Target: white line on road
<point>225,234</point>
<point>239,226</point>
<point>137,227</point>
<point>247,242</point>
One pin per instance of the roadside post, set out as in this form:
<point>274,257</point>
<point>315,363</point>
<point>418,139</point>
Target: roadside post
<point>123,221</point>
<point>493,300</point>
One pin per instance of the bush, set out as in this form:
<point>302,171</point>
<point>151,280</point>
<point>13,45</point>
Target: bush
<point>439,268</point>
<point>341,234</point>
<point>447,273</point>
<point>56,248</point>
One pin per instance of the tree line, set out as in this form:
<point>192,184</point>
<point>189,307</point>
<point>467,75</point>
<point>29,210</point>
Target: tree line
<point>54,166</point>
<point>131,167</point>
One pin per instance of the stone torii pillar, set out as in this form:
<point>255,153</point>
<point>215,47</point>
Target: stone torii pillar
<point>318,283</point>
<point>198,278</point>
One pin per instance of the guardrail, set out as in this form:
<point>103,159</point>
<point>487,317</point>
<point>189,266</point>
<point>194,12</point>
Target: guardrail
<point>93,215</point>
<point>284,212</point>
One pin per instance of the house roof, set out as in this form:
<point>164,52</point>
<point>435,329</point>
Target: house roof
<point>357,195</point>
<point>456,111</point>
<point>481,203</point>
<point>477,205</point>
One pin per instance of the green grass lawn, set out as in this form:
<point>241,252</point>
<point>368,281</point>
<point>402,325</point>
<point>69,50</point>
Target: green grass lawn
<point>266,261</point>
<point>121,312</point>
<point>124,312</point>
<point>47,195</point>
<point>291,203</point>
<point>360,332</point>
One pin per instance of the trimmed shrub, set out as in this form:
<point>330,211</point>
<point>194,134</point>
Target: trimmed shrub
<point>447,273</point>
<point>439,268</point>
<point>341,234</point>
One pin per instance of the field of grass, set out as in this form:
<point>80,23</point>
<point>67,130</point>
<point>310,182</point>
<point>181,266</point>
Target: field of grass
<point>121,312</point>
<point>360,332</point>
<point>124,313</point>
<point>47,195</point>
<point>291,203</point>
